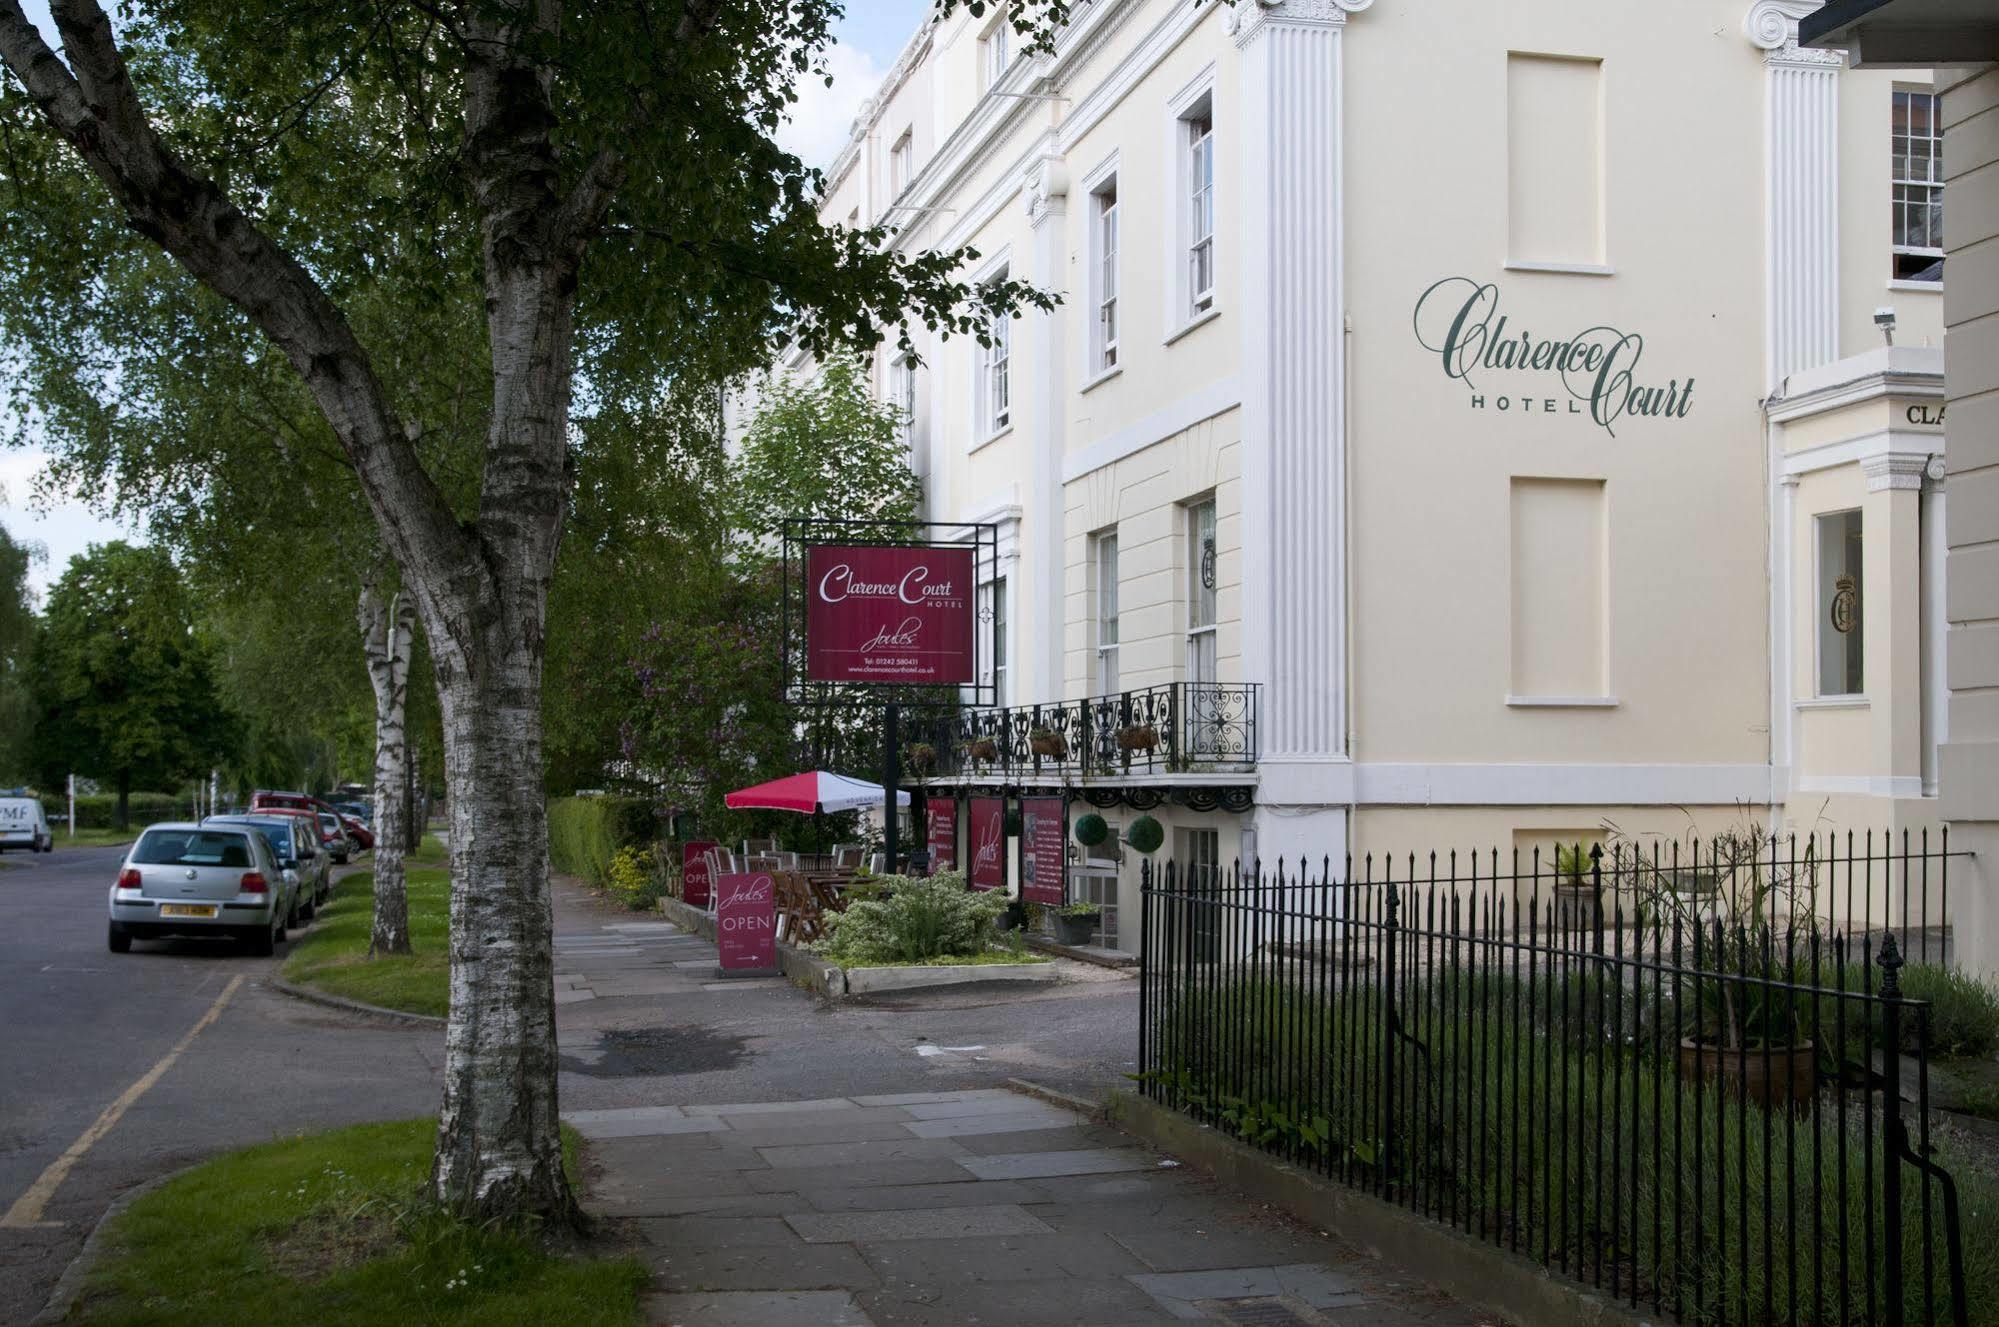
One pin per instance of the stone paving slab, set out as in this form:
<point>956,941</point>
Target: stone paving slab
<point>581,1117</point>
<point>715,1231</point>
<point>795,1266</point>
<point>921,1224</point>
<point>801,1179</point>
<point>1081,1161</point>
<point>864,1154</point>
<point>931,1098</point>
<point>1070,1139</point>
<point>998,1258</point>
<point>886,1197</point>
<point>1312,1285</point>
<point>1056,1301</point>
<point>759,1308</point>
<point>840,1127</point>
<point>648,1127</point>
<point>838,1118</point>
<point>967,1126</point>
<point>1012,1103</point>
<point>775,1107</point>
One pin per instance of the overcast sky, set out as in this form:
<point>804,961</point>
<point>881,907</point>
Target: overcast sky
<point>869,39</point>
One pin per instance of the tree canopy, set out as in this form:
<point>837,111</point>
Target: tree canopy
<point>124,686</point>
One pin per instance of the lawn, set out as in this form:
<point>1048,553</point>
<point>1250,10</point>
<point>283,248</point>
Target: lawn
<point>92,837</point>
<point>333,955</point>
<point>331,1229</point>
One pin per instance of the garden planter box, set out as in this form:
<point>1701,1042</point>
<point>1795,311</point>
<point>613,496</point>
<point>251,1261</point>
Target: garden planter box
<point>863,981</point>
<point>1075,931</point>
<point>1779,1076</point>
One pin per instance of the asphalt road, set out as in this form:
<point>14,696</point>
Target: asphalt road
<point>86,1030</point>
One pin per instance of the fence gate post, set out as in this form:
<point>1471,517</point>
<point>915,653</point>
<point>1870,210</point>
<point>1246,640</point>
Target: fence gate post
<point>1145,977</point>
<point>1389,1025</point>
<point>1895,1143</point>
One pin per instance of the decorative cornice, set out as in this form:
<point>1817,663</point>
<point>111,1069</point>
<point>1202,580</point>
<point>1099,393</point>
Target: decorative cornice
<point>1247,18</point>
<point>1773,26</point>
<point>1903,470</point>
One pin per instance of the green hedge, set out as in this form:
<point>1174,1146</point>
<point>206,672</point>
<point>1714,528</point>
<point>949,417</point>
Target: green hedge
<point>100,810</point>
<point>585,833</point>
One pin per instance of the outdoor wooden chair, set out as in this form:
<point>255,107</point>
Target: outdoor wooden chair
<point>799,918</point>
<point>758,847</point>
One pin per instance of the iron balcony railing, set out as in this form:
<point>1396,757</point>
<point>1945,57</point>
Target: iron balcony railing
<point>1174,728</point>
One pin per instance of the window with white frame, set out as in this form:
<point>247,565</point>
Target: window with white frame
<point>995,387</point>
<point>1841,650</point>
<point>996,50</point>
<point>900,158</point>
<point>1198,134</point>
<point>1916,142</point>
<point>1104,561</point>
<point>1104,272</point>
<point>992,617</point>
<point>1202,574</point>
<point>902,393</point>
<point>854,219</point>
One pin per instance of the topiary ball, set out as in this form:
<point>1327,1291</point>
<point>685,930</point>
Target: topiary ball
<point>1091,830</point>
<point>1145,835</point>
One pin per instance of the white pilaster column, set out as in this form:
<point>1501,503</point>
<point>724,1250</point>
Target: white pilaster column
<point>1043,603</point>
<point>1801,174</point>
<point>1291,241</point>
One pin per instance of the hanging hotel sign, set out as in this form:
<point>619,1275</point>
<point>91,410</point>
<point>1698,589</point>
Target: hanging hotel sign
<point>1591,372</point>
<point>889,613</point>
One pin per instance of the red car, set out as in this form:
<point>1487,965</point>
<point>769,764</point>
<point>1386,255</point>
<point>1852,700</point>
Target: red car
<point>362,837</point>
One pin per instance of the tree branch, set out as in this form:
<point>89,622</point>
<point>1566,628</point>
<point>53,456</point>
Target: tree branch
<point>92,105</point>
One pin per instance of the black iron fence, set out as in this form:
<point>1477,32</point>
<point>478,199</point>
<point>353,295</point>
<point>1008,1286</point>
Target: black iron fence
<point>1176,727</point>
<point>1687,1090</point>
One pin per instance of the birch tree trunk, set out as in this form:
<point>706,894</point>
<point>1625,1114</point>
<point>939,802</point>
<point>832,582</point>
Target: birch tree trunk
<point>385,639</point>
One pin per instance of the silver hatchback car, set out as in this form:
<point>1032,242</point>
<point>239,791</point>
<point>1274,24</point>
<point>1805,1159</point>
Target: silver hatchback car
<point>216,880</point>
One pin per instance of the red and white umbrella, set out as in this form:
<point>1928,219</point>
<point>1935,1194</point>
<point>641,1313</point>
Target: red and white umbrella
<point>817,791</point>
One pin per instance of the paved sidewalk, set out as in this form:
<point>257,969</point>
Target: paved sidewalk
<point>973,1207</point>
<point>916,1202</point>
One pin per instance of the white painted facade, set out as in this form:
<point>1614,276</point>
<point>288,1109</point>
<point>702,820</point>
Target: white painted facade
<point>1475,614</point>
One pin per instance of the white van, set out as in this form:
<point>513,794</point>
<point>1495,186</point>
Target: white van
<point>24,825</point>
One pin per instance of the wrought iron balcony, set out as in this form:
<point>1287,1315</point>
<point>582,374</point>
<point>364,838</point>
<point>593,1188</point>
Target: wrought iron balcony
<point>1176,728</point>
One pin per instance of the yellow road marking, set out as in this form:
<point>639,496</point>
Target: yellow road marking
<point>27,1209</point>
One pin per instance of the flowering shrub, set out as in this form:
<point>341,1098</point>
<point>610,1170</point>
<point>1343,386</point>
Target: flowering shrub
<point>633,878</point>
<point>918,919</point>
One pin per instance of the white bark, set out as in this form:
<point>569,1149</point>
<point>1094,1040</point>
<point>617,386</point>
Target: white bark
<point>481,588</point>
<point>385,635</point>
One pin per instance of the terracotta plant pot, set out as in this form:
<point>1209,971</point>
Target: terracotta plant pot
<point>1778,1076</point>
<point>1137,737</point>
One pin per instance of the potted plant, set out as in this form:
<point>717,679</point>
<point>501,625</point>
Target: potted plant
<point>1137,737</point>
<point>1047,742</point>
<point>983,747</point>
<point>922,757</point>
<point>1076,923</point>
<point>1577,906</point>
<point>1748,1024</point>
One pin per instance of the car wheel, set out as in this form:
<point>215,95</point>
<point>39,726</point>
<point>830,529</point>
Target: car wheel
<point>119,939</point>
<point>263,941</point>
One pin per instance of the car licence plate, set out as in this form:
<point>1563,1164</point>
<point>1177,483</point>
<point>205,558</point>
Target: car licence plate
<point>187,910</point>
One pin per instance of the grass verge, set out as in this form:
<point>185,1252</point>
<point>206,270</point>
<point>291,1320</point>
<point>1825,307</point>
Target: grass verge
<point>333,955</point>
<point>330,1229</point>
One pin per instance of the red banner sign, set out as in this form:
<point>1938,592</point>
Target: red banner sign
<point>1043,838</point>
<point>694,881</point>
<point>988,843</point>
<point>889,613</point>
<point>746,920</point>
<point>942,835</point>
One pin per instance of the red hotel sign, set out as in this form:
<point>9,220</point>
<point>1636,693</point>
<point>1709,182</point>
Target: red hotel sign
<point>746,920</point>
<point>889,613</point>
<point>943,835</point>
<point>987,847</point>
<point>1043,842</point>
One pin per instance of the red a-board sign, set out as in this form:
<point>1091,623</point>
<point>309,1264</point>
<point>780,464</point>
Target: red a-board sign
<point>890,613</point>
<point>746,919</point>
<point>942,834</point>
<point>694,881</point>
<point>1043,837</point>
<point>987,846</point>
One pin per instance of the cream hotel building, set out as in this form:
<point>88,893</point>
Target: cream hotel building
<point>1465,425</point>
